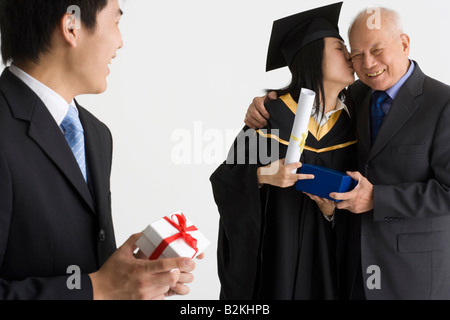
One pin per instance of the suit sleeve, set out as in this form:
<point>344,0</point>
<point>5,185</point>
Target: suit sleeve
<point>54,288</point>
<point>421,199</point>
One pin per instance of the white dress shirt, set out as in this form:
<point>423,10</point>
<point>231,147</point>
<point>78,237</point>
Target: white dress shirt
<point>323,120</point>
<point>56,105</point>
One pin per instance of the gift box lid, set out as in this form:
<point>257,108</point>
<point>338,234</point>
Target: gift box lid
<point>159,230</point>
<point>325,181</point>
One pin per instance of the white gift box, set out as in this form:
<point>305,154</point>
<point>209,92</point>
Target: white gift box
<point>160,230</point>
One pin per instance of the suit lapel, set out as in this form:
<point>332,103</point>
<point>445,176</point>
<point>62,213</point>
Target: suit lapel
<point>401,111</point>
<point>26,105</point>
<point>363,126</point>
<point>94,158</point>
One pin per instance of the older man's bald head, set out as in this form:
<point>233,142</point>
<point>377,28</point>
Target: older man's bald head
<point>378,17</point>
<point>379,48</point>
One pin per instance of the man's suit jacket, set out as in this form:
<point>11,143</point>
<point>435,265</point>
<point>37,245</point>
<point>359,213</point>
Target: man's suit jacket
<point>50,218</point>
<point>407,235</point>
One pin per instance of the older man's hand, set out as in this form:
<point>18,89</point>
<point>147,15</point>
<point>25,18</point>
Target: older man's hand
<point>257,115</point>
<point>360,199</point>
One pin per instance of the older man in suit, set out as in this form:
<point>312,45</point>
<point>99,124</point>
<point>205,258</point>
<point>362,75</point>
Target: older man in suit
<point>55,161</point>
<point>399,238</point>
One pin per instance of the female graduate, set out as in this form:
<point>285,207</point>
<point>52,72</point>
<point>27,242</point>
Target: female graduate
<point>276,242</point>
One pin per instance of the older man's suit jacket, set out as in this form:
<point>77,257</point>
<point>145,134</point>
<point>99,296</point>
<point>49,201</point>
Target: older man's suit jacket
<point>50,218</point>
<point>407,235</point>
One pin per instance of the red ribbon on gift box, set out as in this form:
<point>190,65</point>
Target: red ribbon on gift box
<point>181,227</point>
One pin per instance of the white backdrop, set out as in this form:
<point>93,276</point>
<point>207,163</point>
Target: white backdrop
<point>179,89</point>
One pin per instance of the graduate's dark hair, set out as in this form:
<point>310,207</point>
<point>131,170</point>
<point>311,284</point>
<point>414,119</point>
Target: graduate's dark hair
<point>307,72</point>
<point>27,27</point>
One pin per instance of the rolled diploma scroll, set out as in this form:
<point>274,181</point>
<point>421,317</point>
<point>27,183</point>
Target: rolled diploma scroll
<point>299,131</point>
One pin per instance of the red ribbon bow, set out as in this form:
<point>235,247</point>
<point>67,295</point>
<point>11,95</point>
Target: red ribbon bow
<point>181,227</point>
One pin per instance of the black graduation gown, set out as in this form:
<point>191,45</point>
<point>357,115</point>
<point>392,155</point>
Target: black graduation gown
<point>274,243</point>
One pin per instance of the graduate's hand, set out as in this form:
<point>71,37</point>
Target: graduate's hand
<point>280,175</point>
<point>327,206</point>
<point>257,115</point>
<point>360,199</point>
<point>124,277</point>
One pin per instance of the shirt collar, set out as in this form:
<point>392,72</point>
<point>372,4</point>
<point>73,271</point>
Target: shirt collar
<point>394,90</point>
<point>56,105</point>
<point>323,120</point>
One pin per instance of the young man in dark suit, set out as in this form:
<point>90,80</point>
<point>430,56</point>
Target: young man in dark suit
<point>400,233</point>
<point>55,160</point>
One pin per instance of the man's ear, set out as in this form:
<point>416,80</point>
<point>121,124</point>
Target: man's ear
<point>70,29</point>
<point>405,43</point>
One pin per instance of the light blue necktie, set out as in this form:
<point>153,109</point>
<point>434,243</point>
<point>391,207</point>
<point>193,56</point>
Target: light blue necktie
<point>74,133</point>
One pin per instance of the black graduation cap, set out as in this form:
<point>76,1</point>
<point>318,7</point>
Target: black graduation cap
<point>292,33</point>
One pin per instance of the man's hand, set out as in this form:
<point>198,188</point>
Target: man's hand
<point>185,277</point>
<point>124,277</point>
<point>280,175</point>
<point>257,115</point>
<point>360,199</point>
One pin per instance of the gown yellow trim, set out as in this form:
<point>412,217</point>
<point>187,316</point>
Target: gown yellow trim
<point>286,143</point>
<point>313,127</point>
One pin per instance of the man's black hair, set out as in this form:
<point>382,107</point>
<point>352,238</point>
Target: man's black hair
<point>27,26</point>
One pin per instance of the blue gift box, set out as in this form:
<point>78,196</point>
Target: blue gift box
<point>325,182</point>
